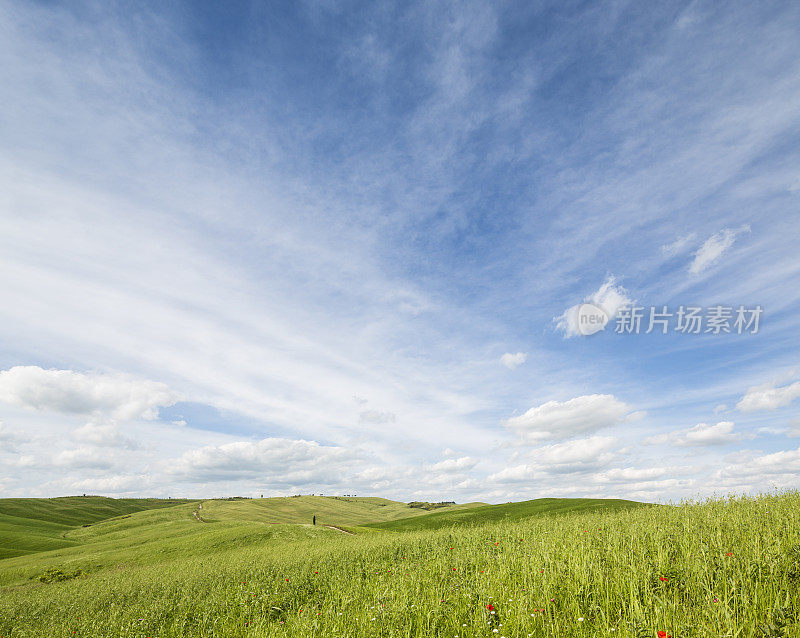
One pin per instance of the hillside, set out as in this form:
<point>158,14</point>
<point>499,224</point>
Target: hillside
<point>29,525</point>
<point>506,512</point>
<point>716,568</point>
<point>329,510</point>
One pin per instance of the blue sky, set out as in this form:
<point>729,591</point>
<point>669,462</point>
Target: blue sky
<point>332,247</point>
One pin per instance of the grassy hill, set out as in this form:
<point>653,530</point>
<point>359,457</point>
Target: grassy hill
<point>716,568</point>
<point>29,525</point>
<point>329,510</point>
<point>507,512</point>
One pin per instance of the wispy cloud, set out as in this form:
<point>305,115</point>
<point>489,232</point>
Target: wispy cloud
<point>713,248</point>
<point>261,235</point>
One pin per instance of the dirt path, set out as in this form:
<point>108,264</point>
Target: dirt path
<point>197,516</point>
<point>339,529</point>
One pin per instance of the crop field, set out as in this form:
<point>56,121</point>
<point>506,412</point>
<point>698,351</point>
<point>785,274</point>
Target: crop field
<point>560,568</point>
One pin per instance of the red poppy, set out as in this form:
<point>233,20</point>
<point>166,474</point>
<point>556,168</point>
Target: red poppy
<point>490,607</point>
<point>454,569</point>
<point>729,554</point>
<point>663,634</point>
<point>662,578</point>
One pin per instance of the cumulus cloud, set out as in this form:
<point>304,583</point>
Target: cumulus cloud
<point>275,460</point>
<point>563,420</point>
<point>751,465</point>
<point>702,434</point>
<point>610,297</point>
<point>581,455</point>
<point>65,391</point>
<point>768,397</point>
<point>513,361</point>
<point>713,248</point>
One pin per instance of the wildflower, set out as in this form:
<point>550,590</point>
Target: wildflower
<point>729,554</point>
<point>663,578</point>
<point>580,619</point>
<point>663,634</point>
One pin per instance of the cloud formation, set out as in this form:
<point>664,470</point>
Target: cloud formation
<point>713,248</point>
<point>768,397</point>
<point>65,391</point>
<point>513,361</point>
<point>273,460</point>
<point>562,420</point>
<point>700,435</point>
<point>611,297</point>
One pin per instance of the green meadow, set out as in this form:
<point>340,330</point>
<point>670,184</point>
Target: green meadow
<point>373,567</point>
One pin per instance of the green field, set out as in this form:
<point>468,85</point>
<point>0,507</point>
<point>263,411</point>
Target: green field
<point>720,568</point>
<point>330,510</point>
<point>507,512</point>
<point>30,525</point>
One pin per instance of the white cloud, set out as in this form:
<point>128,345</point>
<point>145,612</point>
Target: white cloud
<point>678,246</point>
<point>374,416</point>
<point>750,465</point>
<point>702,434</point>
<point>570,453</point>
<point>562,420</point>
<point>630,474</point>
<point>513,361</point>
<point>768,397</point>
<point>463,464</point>
<point>104,435</point>
<point>610,297</point>
<point>581,455</point>
<point>83,458</point>
<point>713,247</point>
<point>114,484</point>
<point>275,460</point>
<point>69,392</point>
<point>21,461</point>
<point>10,438</point>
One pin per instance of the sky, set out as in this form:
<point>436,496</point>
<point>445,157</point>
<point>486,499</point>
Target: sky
<point>341,248</point>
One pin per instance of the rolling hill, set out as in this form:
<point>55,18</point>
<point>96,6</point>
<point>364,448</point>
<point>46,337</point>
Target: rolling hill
<point>506,512</point>
<point>597,568</point>
<point>29,525</point>
<point>329,510</point>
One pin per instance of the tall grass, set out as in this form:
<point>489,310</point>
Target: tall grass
<point>719,568</point>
